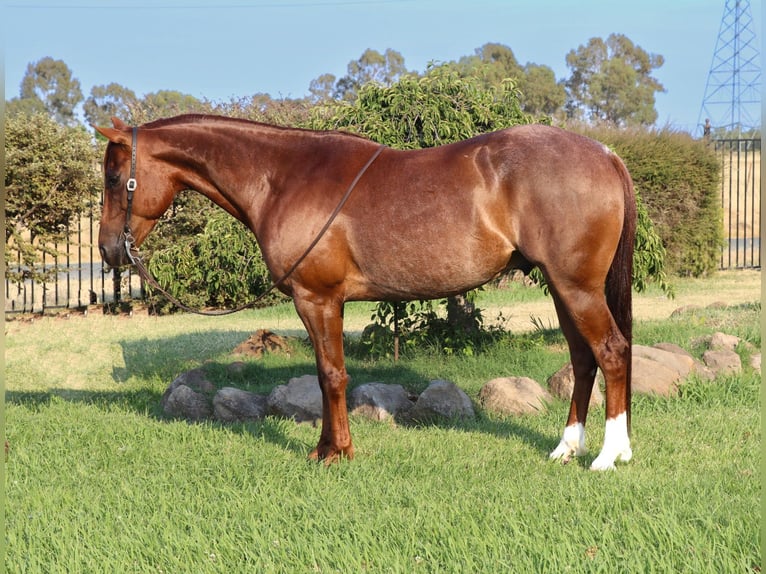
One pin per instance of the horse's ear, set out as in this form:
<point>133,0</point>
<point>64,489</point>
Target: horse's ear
<point>114,135</point>
<point>119,124</point>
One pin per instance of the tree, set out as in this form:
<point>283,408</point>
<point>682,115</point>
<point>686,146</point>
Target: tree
<point>322,88</point>
<point>50,81</point>
<point>372,67</point>
<point>108,101</point>
<point>24,106</point>
<point>50,177</point>
<point>165,103</point>
<point>611,82</point>
<point>541,94</point>
<point>494,63</point>
<point>416,112</point>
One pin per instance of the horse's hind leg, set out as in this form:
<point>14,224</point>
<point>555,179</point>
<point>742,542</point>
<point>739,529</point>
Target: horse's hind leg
<point>594,339</point>
<point>584,370</point>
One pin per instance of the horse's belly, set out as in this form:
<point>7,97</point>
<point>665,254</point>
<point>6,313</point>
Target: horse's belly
<point>432,271</point>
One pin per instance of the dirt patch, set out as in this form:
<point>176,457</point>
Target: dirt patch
<point>261,342</point>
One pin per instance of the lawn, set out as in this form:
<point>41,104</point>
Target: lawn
<point>97,480</point>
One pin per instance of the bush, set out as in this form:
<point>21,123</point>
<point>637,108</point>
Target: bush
<point>219,267</point>
<point>677,178</point>
<point>49,181</point>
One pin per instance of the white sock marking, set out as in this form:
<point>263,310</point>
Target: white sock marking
<point>616,444</point>
<point>572,443</point>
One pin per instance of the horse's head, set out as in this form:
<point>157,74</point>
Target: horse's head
<point>154,191</point>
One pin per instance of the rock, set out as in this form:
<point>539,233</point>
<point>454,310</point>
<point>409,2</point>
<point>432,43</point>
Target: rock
<point>673,348</point>
<point>652,377</point>
<point>179,403</point>
<point>183,402</point>
<point>234,405</point>
<point>379,401</point>
<point>300,399</point>
<point>698,367</point>
<point>514,396</point>
<point>442,399</point>
<point>262,341</point>
<point>680,363</point>
<point>722,361</point>
<point>723,342</point>
<point>194,379</point>
<point>561,384</point>
<point>236,368</point>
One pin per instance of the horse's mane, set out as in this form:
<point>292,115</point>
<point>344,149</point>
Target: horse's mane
<point>211,118</point>
<point>196,119</point>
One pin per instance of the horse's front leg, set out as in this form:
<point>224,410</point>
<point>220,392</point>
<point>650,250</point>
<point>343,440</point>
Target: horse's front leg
<point>323,319</point>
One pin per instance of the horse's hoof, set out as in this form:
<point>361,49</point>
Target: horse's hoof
<point>329,454</point>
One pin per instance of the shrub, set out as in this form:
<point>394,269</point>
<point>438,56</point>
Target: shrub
<point>677,178</point>
<point>219,267</point>
<point>49,181</point>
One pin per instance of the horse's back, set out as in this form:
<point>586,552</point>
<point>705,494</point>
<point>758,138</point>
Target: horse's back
<point>444,220</point>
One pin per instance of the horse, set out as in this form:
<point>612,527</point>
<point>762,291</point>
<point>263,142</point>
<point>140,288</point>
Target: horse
<point>414,224</point>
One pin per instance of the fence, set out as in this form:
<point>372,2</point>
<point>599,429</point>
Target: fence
<point>82,282</point>
<point>741,200</point>
<point>79,281</point>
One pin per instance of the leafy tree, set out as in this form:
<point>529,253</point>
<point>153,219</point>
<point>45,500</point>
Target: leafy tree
<point>611,82</point>
<point>541,94</point>
<point>24,107</point>
<point>371,67</point>
<point>416,112</point>
<point>165,103</point>
<point>493,63</point>
<point>107,101</point>
<point>322,88</point>
<point>50,177</point>
<point>50,82</point>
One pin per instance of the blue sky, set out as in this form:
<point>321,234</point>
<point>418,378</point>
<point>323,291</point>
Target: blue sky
<point>236,48</point>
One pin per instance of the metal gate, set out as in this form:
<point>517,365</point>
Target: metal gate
<point>740,161</point>
<point>79,279</point>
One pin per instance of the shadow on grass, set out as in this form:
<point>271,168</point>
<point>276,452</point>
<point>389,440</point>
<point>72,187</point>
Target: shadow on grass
<point>151,364</point>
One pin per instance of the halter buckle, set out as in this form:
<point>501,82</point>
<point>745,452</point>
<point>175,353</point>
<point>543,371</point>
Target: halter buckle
<point>132,184</point>
<point>130,245</point>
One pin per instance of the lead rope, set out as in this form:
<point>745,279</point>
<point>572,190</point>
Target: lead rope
<point>137,260</point>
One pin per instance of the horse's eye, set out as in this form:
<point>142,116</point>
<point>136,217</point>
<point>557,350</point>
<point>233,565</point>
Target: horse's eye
<point>112,180</point>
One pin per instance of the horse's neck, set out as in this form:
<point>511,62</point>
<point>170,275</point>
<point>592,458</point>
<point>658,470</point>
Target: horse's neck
<point>233,164</point>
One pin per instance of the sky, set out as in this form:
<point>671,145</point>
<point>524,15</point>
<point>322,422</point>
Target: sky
<point>237,48</point>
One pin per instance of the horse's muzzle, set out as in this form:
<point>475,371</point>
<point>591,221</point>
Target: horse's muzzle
<point>114,255</point>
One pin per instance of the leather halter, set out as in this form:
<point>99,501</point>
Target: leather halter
<point>131,185</point>
<point>137,260</point>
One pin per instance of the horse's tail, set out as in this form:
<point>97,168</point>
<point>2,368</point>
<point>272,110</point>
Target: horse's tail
<point>619,280</point>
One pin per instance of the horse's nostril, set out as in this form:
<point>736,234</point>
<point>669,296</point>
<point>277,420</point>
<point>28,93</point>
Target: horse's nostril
<point>104,254</point>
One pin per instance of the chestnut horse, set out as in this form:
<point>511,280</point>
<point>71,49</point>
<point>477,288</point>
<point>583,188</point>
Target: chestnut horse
<point>419,224</point>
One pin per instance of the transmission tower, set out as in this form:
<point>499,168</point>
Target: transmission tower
<point>732,101</point>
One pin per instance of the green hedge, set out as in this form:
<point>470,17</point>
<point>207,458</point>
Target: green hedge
<point>678,179</point>
<point>220,267</point>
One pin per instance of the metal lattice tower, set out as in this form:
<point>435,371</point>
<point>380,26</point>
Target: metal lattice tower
<point>732,99</point>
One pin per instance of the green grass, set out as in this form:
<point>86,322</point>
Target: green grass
<point>98,481</point>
